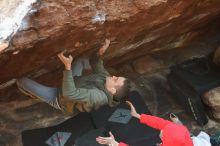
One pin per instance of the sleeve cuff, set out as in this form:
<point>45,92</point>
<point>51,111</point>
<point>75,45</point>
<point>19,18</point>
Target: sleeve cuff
<point>67,76</point>
<point>67,72</point>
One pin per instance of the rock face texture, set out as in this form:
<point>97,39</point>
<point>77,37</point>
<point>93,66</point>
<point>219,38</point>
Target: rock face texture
<point>136,28</point>
<point>211,99</point>
<point>12,13</point>
<point>147,36</point>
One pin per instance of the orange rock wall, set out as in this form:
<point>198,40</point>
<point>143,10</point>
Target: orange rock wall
<point>135,27</point>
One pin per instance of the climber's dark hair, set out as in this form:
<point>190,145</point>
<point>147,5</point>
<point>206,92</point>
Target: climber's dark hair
<point>122,91</point>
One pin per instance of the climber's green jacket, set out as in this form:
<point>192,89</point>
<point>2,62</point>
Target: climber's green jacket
<point>85,93</point>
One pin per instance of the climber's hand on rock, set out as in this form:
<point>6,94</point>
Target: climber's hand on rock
<point>103,49</point>
<point>67,61</point>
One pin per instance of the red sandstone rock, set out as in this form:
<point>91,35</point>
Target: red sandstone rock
<point>212,100</point>
<point>136,28</point>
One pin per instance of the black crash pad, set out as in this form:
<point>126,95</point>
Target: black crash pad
<point>89,139</point>
<point>77,126</point>
<point>189,80</point>
<point>200,74</point>
<point>93,124</point>
<point>149,140</point>
<point>132,132</point>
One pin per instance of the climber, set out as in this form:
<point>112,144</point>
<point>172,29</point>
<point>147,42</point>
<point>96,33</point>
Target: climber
<point>85,93</point>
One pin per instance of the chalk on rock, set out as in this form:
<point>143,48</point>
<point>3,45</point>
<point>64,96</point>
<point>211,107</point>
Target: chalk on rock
<point>100,17</point>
